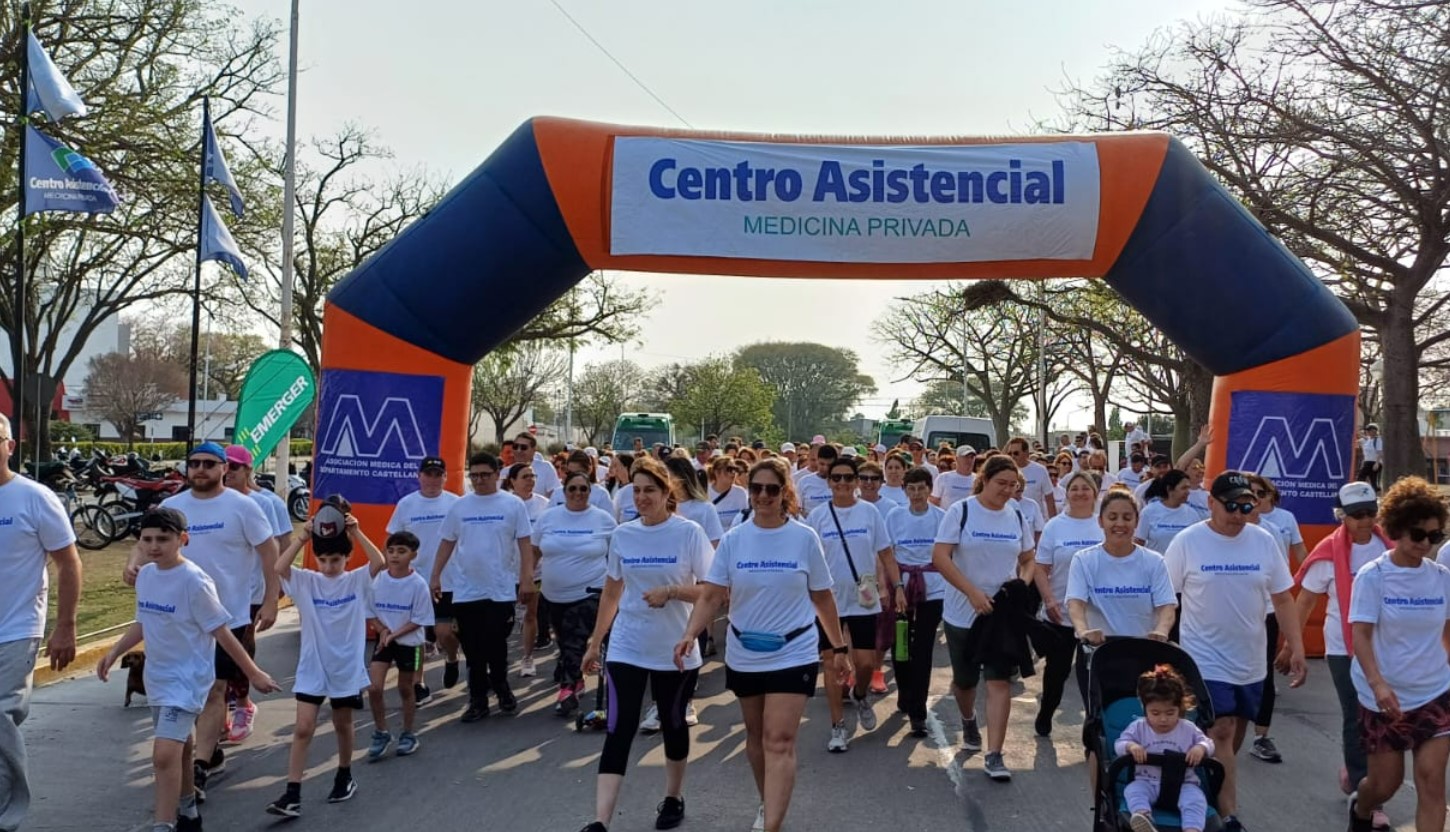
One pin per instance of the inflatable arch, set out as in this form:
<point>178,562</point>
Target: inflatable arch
<point>561,198</point>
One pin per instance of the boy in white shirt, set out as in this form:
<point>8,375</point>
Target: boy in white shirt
<point>181,619</point>
<point>332,605</point>
<point>401,608</point>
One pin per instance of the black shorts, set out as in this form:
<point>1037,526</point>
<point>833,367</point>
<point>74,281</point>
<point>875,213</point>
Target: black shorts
<point>226,669</point>
<point>354,702</point>
<point>443,608</point>
<point>798,680</point>
<point>404,657</point>
<point>860,629</point>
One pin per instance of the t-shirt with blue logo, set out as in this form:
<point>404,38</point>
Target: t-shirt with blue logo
<point>574,546</point>
<point>913,536</point>
<point>1121,593</point>
<point>178,610</point>
<point>987,551</point>
<point>333,614</point>
<point>398,602</point>
<point>1158,524</point>
<point>1064,537</point>
<point>33,523</point>
<point>865,536</point>
<point>223,533</point>
<point>423,516</point>
<point>674,552</point>
<point>487,529</point>
<point>1408,608</point>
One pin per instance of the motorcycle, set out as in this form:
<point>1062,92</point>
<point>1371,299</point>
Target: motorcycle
<point>299,496</point>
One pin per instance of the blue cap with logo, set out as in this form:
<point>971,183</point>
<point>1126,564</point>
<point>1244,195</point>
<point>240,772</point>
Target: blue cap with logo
<point>209,449</point>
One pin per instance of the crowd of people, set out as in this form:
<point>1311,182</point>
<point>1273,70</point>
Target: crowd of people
<point>824,560</point>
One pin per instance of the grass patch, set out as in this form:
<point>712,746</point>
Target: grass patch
<point>105,599</point>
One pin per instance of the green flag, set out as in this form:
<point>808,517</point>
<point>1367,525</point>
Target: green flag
<point>278,388</point>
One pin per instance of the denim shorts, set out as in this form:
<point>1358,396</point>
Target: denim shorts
<point>172,723</point>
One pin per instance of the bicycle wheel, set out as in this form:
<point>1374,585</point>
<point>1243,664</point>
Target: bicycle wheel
<point>94,527</point>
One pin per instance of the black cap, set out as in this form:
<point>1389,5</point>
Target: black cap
<point>758,444</point>
<point>1229,485</point>
<point>431,462</point>
<point>1159,459</point>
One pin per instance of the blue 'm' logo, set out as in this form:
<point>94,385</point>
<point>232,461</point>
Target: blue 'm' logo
<point>373,429</point>
<point>349,431</point>
<point>1301,441</point>
<point>1276,452</point>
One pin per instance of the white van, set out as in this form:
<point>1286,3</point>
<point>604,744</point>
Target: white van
<point>955,431</point>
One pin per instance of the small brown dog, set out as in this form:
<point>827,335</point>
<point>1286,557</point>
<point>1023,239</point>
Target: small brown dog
<point>135,663</point>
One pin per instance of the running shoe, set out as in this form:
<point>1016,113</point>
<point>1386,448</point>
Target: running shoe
<point>878,682</point>
<point>407,744</point>
<point>671,813</point>
<point>198,780</point>
<point>1265,750</point>
<point>289,805</point>
<point>1043,725</point>
<point>918,727</point>
<point>507,702</point>
<point>217,764</point>
<point>477,709</point>
<point>1379,820</point>
<point>242,721</point>
<point>840,741</point>
<point>971,735</point>
<point>865,714</point>
<point>186,824</point>
<point>691,718</point>
<point>422,695</point>
<point>996,769</point>
<point>1233,824</point>
<point>568,702</point>
<point>343,788</point>
<point>1142,822</point>
<point>382,741</point>
<point>594,826</point>
<point>651,722</point>
<point>759,825</point>
<point>526,667</point>
<point>450,674</point>
<point>541,641</point>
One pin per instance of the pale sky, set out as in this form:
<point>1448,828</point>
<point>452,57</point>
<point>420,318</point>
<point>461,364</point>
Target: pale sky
<point>445,81</point>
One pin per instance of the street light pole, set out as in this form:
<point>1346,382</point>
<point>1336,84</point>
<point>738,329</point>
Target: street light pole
<point>289,196</point>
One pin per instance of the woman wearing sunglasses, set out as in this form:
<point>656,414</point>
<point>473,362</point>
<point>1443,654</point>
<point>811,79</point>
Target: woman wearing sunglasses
<point>774,571</point>
<point>1398,612</point>
<point>728,498</point>
<point>1329,571</point>
<point>579,462</point>
<point>520,481</point>
<point>571,542</point>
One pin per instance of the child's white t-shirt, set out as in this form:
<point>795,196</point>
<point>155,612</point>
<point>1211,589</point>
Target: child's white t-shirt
<point>334,614</point>
<point>398,602</point>
<point>178,610</point>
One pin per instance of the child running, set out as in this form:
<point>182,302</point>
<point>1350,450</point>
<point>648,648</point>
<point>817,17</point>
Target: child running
<point>1163,728</point>
<point>402,607</point>
<point>182,621</point>
<point>332,606</point>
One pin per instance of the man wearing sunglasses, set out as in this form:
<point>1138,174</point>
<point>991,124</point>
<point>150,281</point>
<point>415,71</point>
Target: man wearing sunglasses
<point>227,533</point>
<point>547,480</point>
<point>1227,571</point>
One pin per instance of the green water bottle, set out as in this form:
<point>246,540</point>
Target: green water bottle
<point>902,653</point>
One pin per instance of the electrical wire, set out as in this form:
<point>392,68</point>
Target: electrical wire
<point>641,84</point>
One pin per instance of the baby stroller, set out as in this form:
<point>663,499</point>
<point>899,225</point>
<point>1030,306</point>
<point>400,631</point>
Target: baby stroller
<point>1112,704</point>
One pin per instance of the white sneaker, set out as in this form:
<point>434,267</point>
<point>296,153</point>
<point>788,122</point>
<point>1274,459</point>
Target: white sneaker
<point>839,741</point>
<point>865,714</point>
<point>651,722</point>
<point>526,667</point>
<point>691,718</point>
<point>759,825</point>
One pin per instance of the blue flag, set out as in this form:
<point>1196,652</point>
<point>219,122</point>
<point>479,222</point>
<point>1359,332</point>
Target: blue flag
<point>49,90</point>
<point>60,179</point>
<point>216,241</point>
<point>216,168</point>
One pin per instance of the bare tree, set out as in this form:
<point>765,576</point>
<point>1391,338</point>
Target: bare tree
<point>507,382</point>
<point>602,392</point>
<point>123,388</point>
<point>225,357</point>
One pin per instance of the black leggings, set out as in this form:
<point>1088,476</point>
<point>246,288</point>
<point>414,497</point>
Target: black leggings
<point>1058,645</point>
<point>671,690</point>
<point>913,678</point>
<point>1266,705</point>
<point>573,623</point>
<point>483,633</point>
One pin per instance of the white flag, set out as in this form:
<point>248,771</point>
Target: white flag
<point>49,90</point>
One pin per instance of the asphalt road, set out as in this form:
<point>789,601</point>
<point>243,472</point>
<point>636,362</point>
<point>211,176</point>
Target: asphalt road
<point>90,767</point>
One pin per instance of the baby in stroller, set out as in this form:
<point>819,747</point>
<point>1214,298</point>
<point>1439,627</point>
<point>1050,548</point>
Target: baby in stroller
<point>1164,729</point>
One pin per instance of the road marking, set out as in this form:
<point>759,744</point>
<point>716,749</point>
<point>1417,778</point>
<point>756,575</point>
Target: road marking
<point>945,750</point>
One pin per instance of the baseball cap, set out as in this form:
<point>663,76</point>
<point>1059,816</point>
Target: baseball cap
<point>787,447</point>
<point>592,452</point>
<point>239,455</point>
<point>702,446</point>
<point>880,448</point>
<point>818,439</point>
<point>1371,426</point>
<point>966,450</point>
<point>848,452</point>
<point>1230,484</point>
<point>209,449</point>
<point>165,519</point>
<point>1159,459</point>
<point>431,463</point>
<point>1357,496</point>
<point>329,527</point>
<point>758,445</point>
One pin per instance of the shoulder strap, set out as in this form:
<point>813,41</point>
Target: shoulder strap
<point>963,526</point>
<point>851,562</point>
<point>722,495</point>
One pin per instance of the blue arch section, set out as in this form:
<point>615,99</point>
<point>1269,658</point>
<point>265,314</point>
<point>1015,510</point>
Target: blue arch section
<point>1212,278</point>
<point>499,229</point>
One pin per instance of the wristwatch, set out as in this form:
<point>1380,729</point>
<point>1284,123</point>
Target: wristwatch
<point>840,651</point>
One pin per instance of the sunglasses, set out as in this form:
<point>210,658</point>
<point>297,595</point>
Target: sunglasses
<point>1363,514</point>
<point>1418,535</point>
<point>1241,508</point>
<point>769,489</point>
<point>577,489</point>
<point>481,475</point>
<point>869,478</point>
<point>208,464</point>
<point>843,478</point>
<point>235,466</point>
<point>522,446</point>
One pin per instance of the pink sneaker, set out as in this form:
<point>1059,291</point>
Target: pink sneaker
<point>242,723</point>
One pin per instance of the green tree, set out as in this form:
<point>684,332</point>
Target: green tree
<point>601,393</point>
<point>815,385</point>
<point>722,398</point>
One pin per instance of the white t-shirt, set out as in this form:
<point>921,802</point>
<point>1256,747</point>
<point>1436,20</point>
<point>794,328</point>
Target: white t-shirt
<point>1225,583</point>
<point>1284,526</point>
<point>624,510</point>
<point>398,602</point>
<point>1319,577</point>
<point>423,516</point>
<point>276,511</point>
<point>912,539</point>
<point>1134,437</point>
<point>224,533</point>
<point>730,506</point>
<point>574,545</point>
<point>1198,498</point>
<point>865,536</point>
<point>1409,608</point>
<point>986,554</point>
<point>1059,497</point>
<point>1121,593</point>
<point>1032,513</point>
<point>598,497</point>
<point>1158,524</point>
<point>178,610</point>
<point>1064,537</point>
<point>487,530</point>
<point>644,557</point>
<point>951,487</point>
<point>702,514</point>
<point>895,494</point>
<point>771,574</point>
<point>1039,485</point>
<point>1371,448</point>
<point>546,479</point>
<point>814,492</point>
<point>333,614</point>
<point>33,523</point>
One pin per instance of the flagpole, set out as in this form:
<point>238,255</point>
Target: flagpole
<point>196,284</point>
<point>17,330</point>
<point>289,197</point>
